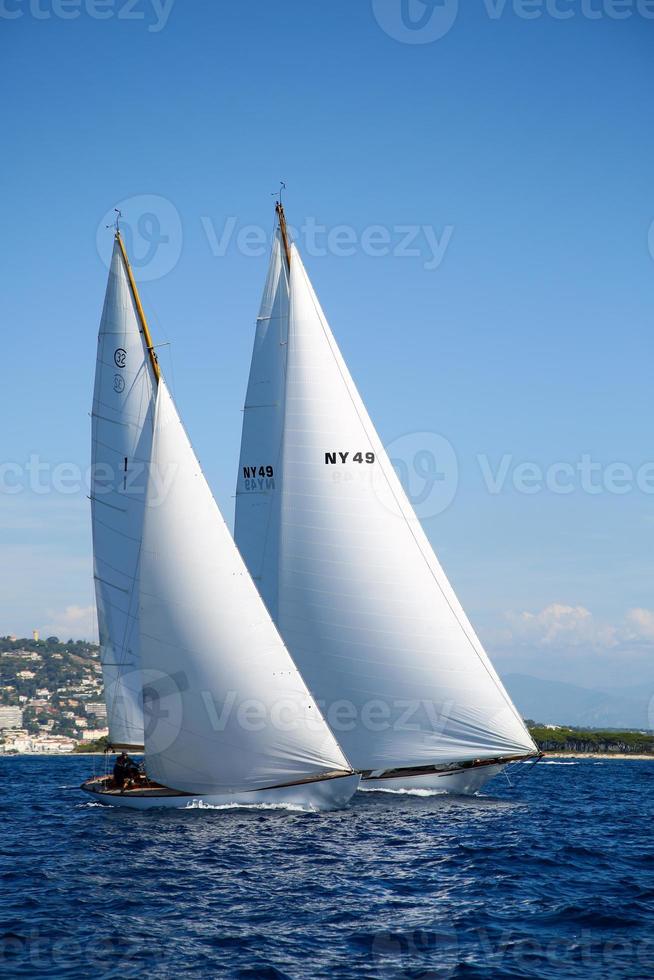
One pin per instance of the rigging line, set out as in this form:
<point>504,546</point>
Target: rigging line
<point>96,500</point>
<point>114,569</point>
<point>114,530</point>
<point>490,673</point>
<point>110,584</point>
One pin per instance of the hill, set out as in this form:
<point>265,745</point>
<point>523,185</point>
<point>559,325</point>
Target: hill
<point>56,686</point>
<point>559,703</point>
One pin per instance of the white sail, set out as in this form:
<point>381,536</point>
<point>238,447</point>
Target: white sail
<point>257,499</point>
<point>226,709</point>
<point>121,439</point>
<point>363,604</point>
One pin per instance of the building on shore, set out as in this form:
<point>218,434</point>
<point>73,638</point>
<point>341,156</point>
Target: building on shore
<point>22,743</point>
<point>91,734</point>
<point>97,708</point>
<point>11,717</point>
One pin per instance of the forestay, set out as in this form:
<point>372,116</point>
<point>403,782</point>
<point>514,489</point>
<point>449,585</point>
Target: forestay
<point>226,709</point>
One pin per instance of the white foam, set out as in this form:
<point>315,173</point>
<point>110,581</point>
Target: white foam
<point>404,792</point>
<point>293,807</point>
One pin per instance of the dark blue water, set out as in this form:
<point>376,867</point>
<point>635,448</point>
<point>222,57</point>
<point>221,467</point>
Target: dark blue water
<point>551,879</point>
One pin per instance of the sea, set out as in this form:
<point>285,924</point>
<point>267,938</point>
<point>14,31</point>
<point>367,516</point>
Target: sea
<point>549,874</point>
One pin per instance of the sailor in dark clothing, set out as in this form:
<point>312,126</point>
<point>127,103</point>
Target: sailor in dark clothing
<point>124,769</point>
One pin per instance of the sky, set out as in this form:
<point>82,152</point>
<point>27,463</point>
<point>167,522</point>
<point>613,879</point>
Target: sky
<point>470,185</point>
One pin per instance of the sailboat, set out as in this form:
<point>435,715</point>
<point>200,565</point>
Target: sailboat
<point>193,664</point>
<point>346,570</point>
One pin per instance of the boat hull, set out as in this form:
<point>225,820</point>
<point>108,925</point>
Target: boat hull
<point>321,794</point>
<point>461,782</point>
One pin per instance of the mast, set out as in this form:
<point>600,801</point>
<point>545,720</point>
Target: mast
<point>139,308</point>
<point>279,208</point>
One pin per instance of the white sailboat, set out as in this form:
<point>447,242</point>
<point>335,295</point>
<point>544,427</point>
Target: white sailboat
<point>346,569</point>
<point>227,718</point>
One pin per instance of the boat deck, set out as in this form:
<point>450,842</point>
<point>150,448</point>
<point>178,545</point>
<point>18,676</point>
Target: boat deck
<point>103,786</point>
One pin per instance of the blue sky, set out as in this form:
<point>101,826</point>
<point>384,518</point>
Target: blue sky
<point>518,153</point>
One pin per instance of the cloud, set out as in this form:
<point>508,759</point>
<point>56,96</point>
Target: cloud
<point>78,622</point>
<point>559,626</point>
<point>641,624</point>
<point>569,643</point>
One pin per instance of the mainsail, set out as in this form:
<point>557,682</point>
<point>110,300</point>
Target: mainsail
<point>122,416</point>
<point>361,601</point>
<point>257,504</point>
<point>226,709</point>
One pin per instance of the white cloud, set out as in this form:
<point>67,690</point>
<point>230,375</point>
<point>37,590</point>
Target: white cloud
<point>641,624</point>
<point>573,644</point>
<point>76,622</point>
<point>560,626</point>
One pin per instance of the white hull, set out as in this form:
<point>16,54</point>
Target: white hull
<point>464,782</point>
<point>323,794</point>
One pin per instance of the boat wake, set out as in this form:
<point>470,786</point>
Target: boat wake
<point>403,792</point>
<point>293,807</point>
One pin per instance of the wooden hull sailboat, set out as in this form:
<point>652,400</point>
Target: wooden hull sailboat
<point>326,793</point>
<point>198,670</point>
<point>346,570</point>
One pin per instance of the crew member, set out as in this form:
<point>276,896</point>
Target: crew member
<point>124,769</point>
